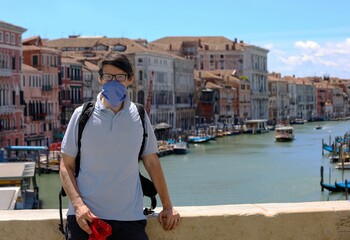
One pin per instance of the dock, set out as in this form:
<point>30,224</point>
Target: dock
<point>19,175</point>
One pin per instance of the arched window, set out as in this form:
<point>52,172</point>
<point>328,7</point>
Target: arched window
<point>141,97</point>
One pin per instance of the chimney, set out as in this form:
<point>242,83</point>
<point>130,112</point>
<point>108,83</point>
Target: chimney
<point>235,40</point>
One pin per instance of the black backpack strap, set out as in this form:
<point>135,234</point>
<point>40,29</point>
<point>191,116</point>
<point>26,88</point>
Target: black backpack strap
<point>88,108</point>
<point>86,112</point>
<point>148,187</point>
<point>141,111</point>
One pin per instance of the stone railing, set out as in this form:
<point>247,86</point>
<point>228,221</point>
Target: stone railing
<point>280,221</point>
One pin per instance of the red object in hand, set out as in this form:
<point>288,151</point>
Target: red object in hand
<point>100,230</point>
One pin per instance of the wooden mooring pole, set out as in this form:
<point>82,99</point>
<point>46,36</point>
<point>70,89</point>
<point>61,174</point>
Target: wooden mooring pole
<point>322,189</point>
<point>346,189</point>
<point>322,147</point>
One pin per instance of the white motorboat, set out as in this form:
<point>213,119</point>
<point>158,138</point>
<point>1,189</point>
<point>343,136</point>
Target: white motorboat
<point>284,133</point>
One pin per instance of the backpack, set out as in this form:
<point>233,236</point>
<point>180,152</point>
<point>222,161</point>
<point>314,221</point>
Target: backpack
<point>148,187</point>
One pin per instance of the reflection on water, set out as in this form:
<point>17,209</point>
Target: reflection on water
<point>244,169</point>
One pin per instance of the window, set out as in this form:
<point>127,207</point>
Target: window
<point>1,36</point>
<point>140,75</point>
<point>23,80</point>
<point>13,62</point>
<point>62,72</point>
<point>35,61</point>
<point>119,48</point>
<point>7,38</point>
<point>13,40</point>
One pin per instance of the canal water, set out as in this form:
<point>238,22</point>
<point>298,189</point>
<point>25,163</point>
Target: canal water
<point>243,169</point>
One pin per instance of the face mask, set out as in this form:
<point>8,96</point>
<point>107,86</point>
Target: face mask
<point>114,92</point>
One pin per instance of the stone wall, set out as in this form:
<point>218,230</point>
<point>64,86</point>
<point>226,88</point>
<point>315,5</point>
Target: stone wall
<point>280,221</point>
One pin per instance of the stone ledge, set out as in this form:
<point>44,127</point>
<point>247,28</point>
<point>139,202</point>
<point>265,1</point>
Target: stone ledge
<point>272,221</point>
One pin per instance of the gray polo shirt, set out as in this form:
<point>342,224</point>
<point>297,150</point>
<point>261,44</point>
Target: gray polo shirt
<point>109,180</point>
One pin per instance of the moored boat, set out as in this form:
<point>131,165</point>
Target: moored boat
<point>180,148</point>
<point>284,133</point>
<point>20,174</point>
<point>342,186</point>
<point>330,187</point>
<point>199,139</point>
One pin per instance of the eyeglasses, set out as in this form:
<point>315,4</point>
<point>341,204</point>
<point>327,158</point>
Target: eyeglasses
<point>109,77</point>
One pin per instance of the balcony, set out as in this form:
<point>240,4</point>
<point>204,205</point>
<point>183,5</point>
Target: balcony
<point>50,117</point>
<point>46,88</point>
<point>7,109</point>
<point>5,72</point>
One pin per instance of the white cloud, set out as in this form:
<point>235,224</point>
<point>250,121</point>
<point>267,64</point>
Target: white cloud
<point>307,45</point>
<point>311,57</point>
<point>268,46</point>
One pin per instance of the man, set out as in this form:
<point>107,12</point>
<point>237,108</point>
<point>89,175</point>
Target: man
<point>108,186</point>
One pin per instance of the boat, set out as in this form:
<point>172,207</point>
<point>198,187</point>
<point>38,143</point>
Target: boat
<point>327,147</point>
<point>318,127</point>
<point>330,187</point>
<point>164,148</point>
<point>297,121</point>
<point>256,126</point>
<point>284,133</point>
<point>9,196</point>
<point>180,148</point>
<point>345,165</point>
<point>199,139</point>
<point>342,186</point>
<point>21,175</point>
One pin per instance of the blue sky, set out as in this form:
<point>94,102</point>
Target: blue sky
<point>305,37</point>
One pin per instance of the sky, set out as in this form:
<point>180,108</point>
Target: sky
<point>304,37</point>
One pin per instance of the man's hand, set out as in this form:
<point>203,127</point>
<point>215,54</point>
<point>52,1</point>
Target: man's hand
<point>84,217</point>
<point>169,218</point>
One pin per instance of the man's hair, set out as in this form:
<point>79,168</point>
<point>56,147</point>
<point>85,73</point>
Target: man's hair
<point>120,61</point>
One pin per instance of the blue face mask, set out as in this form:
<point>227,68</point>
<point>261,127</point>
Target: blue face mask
<point>114,92</point>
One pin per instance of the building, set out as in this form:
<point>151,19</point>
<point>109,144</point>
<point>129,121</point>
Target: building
<point>11,93</point>
<point>279,102</point>
<point>155,78</point>
<point>220,53</point>
<point>42,107</point>
<point>71,88</point>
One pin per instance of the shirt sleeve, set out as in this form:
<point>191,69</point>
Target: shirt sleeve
<point>69,144</point>
<point>151,145</point>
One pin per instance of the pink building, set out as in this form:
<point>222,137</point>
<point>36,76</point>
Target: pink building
<point>324,98</point>
<point>72,87</point>
<point>41,82</point>
<point>11,94</point>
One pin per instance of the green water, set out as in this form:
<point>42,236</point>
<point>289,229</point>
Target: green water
<point>243,169</point>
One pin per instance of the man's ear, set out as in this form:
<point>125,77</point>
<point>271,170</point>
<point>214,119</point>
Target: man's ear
<point>100,79</point>
<point>131,79</point>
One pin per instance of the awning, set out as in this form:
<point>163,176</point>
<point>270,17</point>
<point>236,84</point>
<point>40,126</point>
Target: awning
<point>162,126</point>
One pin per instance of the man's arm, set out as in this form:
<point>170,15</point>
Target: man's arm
<point>168,217</point>
<point>82,212</point>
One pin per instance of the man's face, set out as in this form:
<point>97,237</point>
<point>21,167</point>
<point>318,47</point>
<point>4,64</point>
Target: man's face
<point>112,73</point>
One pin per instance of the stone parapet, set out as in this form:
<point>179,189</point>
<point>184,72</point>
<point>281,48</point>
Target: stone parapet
<point>273,221</point>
